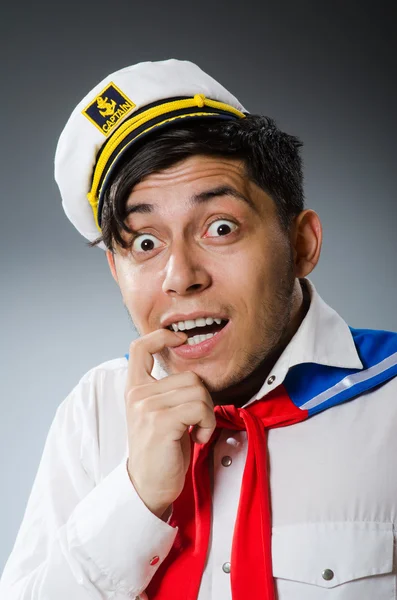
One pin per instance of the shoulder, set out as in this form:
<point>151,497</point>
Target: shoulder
<point>99,390</point>
<point>110,370</point>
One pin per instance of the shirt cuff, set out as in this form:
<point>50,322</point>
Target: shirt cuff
<point>119,540</point>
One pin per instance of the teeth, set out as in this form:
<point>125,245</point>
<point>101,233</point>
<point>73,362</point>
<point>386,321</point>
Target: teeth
<point>201,322</point>
<point>192,323</point>
<point>197,339</point>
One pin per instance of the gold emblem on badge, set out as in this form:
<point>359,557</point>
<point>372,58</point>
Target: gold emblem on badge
<point>108,108</point>
<point>105,107</point>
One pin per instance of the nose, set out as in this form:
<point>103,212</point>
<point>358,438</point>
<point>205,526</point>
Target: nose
<point>184,273</point>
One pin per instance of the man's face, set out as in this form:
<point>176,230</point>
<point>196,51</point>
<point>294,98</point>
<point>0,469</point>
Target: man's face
<point>203,249</point>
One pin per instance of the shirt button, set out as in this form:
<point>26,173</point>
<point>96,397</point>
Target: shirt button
<point>226,461</point>
<point>232,442</point>
<point>271,379</point>
<point>154,560</point>
<point>327,574</point>
<point>226,567</point>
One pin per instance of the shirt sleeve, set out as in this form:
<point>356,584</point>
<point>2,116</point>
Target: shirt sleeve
<point>79,538</point>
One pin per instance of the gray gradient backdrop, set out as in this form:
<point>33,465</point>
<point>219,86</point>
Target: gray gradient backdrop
<point>324,70</point>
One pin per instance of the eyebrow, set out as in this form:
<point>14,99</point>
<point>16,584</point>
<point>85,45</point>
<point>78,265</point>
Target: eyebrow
<point>196,199</point>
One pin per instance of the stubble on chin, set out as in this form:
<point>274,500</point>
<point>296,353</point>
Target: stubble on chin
<point>271,331</point>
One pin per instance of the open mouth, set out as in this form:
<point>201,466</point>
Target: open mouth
<point>200,333</point>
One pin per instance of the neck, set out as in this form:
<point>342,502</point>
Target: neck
<point>241,392</point>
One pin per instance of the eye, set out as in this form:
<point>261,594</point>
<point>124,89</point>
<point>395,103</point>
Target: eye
<point>221,227</point>
<point>145,242</point>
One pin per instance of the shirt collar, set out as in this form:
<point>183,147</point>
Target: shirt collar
<point>322,338</point>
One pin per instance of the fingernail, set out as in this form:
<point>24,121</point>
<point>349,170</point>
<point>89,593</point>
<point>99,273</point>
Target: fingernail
<point>181,334</point>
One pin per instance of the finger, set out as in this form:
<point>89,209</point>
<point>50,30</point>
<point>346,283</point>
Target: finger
<point>170,387</point>
<point>140,363</point>
<point>171,398</point>
<point>194,413</point>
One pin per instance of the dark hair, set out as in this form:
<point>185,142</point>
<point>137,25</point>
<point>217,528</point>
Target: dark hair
<point>271,158</point>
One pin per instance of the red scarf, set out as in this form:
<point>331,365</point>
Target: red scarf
<point>179,576</point>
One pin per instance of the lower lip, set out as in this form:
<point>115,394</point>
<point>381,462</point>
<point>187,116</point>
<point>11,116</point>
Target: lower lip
<point>203,348</point>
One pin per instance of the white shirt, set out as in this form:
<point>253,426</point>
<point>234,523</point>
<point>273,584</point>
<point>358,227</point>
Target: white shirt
<point>86,534</point>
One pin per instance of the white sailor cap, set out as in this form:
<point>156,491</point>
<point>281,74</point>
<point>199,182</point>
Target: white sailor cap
<point>120,110</point>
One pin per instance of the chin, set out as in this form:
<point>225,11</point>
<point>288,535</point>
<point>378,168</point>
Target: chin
<point>212,380</point>
<point>208,374</point>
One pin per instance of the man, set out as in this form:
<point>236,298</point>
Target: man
<point>155,480</point>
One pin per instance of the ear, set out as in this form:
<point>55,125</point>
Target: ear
<point>112,265</point>
<point>306,239</point>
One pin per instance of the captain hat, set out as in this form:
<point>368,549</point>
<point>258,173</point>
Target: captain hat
<point>122,109</point>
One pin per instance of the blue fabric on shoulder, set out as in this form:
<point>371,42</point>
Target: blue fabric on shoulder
<point>316,387</point>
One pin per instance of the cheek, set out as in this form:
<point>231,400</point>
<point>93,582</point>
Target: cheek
<point>138,290</point>
<point>252,268</point>
<point>256,275</point>
<point>132,277</point>
<point>128,279</point>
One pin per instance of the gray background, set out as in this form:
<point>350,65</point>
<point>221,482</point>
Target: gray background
<point>324,70</point>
